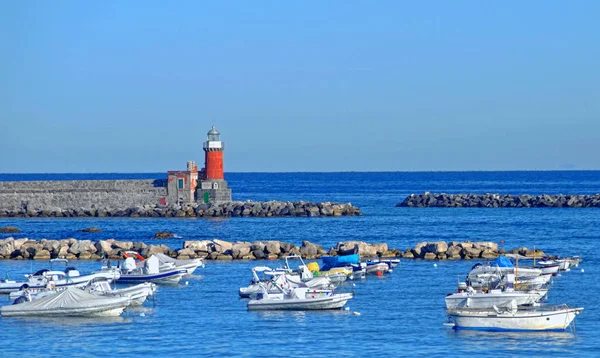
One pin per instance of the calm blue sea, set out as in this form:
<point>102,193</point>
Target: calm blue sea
<point>400,315</point>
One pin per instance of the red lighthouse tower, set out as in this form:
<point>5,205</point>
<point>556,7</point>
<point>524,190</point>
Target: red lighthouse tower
<point>213,187</point>
<point>213,155</point>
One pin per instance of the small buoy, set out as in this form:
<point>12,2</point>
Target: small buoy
<point>142,314</point>
<point>354,285</point>
<point>582,270</point>
<point>434,265</point>
<point>346,308</point>
<point>356,313</point>
<point>187,283</point>
<point>379,273</point>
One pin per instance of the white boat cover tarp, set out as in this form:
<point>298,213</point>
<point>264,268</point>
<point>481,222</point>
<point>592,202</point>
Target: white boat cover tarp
<point>69,299</point>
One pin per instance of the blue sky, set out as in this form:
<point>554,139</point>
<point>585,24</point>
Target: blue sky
<point>133,86</point>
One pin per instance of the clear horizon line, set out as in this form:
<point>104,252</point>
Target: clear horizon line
<point>339,171</point>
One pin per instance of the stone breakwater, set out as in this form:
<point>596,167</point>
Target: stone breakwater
<point>229,209</point>
<point>428,200</point>
<point>72,249</point>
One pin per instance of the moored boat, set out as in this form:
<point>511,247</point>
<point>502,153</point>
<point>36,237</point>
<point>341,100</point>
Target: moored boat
<point>513,318</point>
<point>69,277</point>
<point>298,299</point>
<point>72,302</point>
<point>149,272</point>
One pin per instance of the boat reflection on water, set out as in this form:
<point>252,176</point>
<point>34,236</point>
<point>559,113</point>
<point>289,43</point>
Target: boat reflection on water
<point>517,342</point>
<point>75,321</point>
<point>298,315</point>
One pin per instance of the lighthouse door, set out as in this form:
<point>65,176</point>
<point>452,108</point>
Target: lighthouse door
<point>206,197</point>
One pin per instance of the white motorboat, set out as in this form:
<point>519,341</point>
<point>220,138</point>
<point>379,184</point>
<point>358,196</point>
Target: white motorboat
<point>271,279</point>
<point>148,272</point>
<point>167,263</point>
<point>502,266</point>
<point>574,261</point>
<point>563,264</point>
<point>138,293</point>
<point>36,293</point>
<point>69,277</point>
<point>471,298</point>
<point>71,302</point>
<point>513,318</point>
<point>377,268</point>
<point>336,275</point>
<point>298,299</point>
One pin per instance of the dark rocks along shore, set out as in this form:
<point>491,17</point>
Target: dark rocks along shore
<point>229,209</point>
<point>429,200</point>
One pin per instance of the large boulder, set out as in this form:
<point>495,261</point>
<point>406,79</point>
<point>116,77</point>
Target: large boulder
<point>9,230</point>
<point>430,256</point>
<point>259,254</point>
<point>103,247</point>
<point>42,255</point>
<point>453,252</point>
<point>488,254</point>
<point>469,253</point>
<point>240,249</point>
<point>486,245</point>
<point>222,246</point>
<point>286,247</point>
<point>82,246</point>
<point>418,248</point>
<point>18,242</point>
<point>309,250</point>
<point>6,249</point>
<point>185,254</point>
<point>123,245</point>
<point>155,249</point>
<point>199,245</point>
<point>437,247</point>
<point>91,229</point>
<point>273,247</point>
<point>164,234</point>
<point>364,249</point>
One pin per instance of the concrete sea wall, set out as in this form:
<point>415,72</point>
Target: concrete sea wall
<point>499,201</point>
<point>76,194</point>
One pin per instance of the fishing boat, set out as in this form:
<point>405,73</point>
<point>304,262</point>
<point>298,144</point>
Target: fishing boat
<point>72,302</point>
<point>70,276</point>
<point>298,299</point>
<point>148,272</point>
<point>513,319</point>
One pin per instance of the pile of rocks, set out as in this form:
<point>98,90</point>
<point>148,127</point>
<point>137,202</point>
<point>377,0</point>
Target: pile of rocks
<point>229,209</point>
<point>20,249</point>
<point>440,250</point>
<point>500,201</point>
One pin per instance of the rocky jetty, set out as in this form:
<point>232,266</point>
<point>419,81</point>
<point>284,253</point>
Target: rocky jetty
<point>72,249</point>
<point>429,200</point>
<point>454,250</point>
<point>229,209</point>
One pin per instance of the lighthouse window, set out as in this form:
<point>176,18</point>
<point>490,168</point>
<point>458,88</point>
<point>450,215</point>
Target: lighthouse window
<point>215,185</point>
<point>180,183</point>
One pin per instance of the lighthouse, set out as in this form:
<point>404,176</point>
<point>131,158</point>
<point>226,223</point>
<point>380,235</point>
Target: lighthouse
<point>213,187</point>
